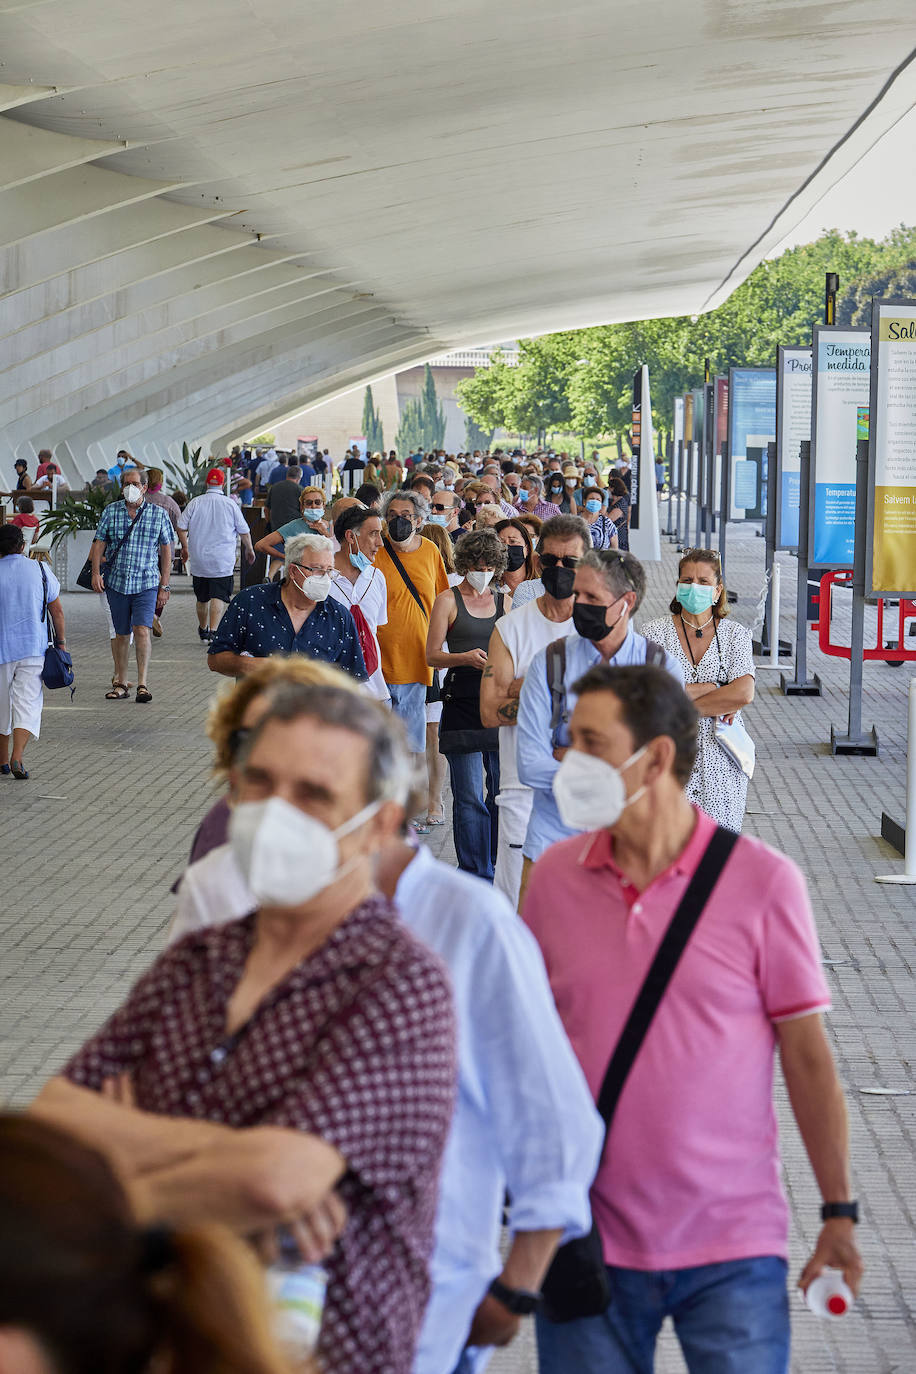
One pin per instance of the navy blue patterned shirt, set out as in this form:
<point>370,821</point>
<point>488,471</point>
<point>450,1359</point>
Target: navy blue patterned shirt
<point>256,622</point>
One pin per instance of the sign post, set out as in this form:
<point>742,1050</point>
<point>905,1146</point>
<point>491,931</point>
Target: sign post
<point>801,685</point>
<point>856,741</point>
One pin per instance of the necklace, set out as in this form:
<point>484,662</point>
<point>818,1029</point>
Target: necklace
<point>698,629</point>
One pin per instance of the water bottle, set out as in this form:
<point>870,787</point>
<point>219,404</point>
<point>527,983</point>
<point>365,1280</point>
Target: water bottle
<point>297,1291</point>
<point>829,1295</point>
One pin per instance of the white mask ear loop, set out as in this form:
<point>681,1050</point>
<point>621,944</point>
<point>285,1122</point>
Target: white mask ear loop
<point>640,790</point>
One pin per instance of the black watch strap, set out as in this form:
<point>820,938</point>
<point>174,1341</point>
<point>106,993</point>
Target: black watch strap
<point>840,1209</point>
<point>520,1301</point>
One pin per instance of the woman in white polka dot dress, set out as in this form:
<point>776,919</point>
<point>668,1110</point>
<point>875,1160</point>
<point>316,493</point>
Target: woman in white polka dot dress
<point>717,657</point>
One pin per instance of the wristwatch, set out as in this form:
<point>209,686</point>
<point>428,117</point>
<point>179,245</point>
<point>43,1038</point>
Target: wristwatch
<point>164,589</point>
<point>840,1209</point>
<point>520,1301</point>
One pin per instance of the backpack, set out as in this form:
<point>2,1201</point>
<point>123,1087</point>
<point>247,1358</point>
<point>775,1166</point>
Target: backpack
<point>555,664</point>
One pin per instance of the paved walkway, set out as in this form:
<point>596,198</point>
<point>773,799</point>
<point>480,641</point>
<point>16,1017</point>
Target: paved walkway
<point>93,841</point>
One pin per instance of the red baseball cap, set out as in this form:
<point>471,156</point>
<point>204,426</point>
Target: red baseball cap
<point>215,477</point>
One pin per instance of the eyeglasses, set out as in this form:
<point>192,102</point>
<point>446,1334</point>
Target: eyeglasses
<point>550,560</point>
<point>315,572</point>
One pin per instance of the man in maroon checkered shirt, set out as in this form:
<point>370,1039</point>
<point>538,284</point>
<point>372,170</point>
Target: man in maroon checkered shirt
<point>303,1053</point>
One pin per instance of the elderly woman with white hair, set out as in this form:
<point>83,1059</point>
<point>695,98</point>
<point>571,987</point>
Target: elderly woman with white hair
<point>295,616</point>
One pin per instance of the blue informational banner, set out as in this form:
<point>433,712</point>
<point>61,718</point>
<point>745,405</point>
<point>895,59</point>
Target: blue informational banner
<point>841,378</point>
<point>751,426</point>
<point>793,424</point>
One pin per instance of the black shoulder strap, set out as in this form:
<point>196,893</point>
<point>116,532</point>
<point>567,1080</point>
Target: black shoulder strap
<point>124,538</point>
<point>555,664</point>
<point>673,944</point>
<point>405,576</point>
<point>44,597</point>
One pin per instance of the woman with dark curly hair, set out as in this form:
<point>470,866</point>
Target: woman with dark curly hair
<point>459,632</point>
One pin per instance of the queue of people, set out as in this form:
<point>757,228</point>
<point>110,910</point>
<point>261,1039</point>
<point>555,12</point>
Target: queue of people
<point>366,1061</point>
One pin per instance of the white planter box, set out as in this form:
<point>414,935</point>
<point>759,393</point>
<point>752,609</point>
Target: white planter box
<point>69,556</point>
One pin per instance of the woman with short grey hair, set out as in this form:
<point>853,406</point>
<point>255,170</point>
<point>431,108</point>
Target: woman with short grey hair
<point>459,631</point>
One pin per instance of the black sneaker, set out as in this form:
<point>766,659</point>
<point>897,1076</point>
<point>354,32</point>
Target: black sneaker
<point>205,635</point>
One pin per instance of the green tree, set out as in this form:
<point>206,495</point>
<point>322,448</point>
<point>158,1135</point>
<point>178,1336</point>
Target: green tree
<point>409,438</point>
<point>431,413</point>
<point>475,437</point>
<point>485,397</point>
<point>372,424</point>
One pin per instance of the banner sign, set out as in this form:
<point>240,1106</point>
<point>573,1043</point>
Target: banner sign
<point>636,447</point>
<point>720,431</point>
<point>751,426</point>
<point>690,489</point>
<point>677,475</point>
<point>793,424</point>
<point>360,443</point>
<point>891,526</point>
<point>308,447</point>
<point>840,385</point>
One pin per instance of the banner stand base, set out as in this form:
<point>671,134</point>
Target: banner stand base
<point>863,746</point>
<point>762,649</point>
<point>893,832</point>
<point>905,879</point>
<point>810,687</point>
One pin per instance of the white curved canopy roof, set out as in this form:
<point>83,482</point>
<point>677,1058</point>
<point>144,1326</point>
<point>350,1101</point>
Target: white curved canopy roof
<point>214,213</point>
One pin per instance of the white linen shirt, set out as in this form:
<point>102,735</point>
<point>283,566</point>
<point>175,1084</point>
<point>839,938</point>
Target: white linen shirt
<point>213,523</point>
<point>370,593</point>
<point>524,1118</point>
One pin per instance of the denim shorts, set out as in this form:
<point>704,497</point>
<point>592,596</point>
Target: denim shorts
<point>408,700</point>
<point>127,611</point>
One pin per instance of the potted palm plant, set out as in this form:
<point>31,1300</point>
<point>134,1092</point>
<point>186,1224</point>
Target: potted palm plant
<point>71,526</point>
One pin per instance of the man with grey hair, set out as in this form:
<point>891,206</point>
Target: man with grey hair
<point>295,616</point>
<point>415,575</point>
<point>301,1054</point>
<point>608,588</point>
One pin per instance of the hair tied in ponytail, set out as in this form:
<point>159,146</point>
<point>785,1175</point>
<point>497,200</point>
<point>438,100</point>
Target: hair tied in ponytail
<point>157,1249</point>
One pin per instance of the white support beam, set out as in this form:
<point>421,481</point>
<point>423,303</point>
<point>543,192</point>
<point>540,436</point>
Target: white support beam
<point>68,197</point>
<point>150,275</point>
<point>13,96</point>
<point>27,153</point>
<point>174,298</point>
<point>99,241</point>
<point>139,342</point>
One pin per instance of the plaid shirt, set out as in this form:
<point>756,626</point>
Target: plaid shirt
<point>136,567</point>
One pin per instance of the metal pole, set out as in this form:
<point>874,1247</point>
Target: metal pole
<point>698,469</point>
<point>831,287</point>
<point>801,685</point>
<point>854,741</point>
<point>769,529</point>
<point>908,875</point>
<point>725,501</point>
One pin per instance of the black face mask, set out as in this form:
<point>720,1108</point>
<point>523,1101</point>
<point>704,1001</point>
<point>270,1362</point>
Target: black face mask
<point>515,557</point>
<point>400,528</point>
<point>559,582</point>
<point>590,621</point>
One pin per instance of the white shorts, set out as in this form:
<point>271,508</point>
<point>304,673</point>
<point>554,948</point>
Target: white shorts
<point>21,696</point>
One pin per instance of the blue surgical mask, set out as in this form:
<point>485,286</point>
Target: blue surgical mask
<point>695,597</point>
<point>360,561</point>
<point>313,513</point>
<point>594,506</point>
<point>589,480</point>
<point>525,494</point>
<point>438,520</point>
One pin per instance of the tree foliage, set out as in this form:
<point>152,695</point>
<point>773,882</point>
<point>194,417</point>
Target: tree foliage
<point>582,379</point>
<point>422,421</point>
<point>372,424</point>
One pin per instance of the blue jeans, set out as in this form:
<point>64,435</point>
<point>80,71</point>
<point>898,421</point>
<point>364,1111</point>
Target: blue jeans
<point>730,1318</point>
<point>408,700</point>
<point>474,815</point>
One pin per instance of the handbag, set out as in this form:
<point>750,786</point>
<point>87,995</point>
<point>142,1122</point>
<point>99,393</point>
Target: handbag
<point>57,670</point>
<point>84,576</point>
<point>577,1284</point>
<point>737,744</point>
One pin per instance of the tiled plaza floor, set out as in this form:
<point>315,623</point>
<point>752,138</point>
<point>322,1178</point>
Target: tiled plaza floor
<point>93,840</point>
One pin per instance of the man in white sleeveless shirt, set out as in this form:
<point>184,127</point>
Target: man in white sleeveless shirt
<point>515,640</point>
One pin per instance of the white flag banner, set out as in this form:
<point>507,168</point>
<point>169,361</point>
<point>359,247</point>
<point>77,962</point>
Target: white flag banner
<point>644,541</point>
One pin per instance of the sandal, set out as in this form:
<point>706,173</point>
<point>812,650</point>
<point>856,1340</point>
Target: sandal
<point>143,693</point>
<point>118,692</point>
<point>19,773</point>
<point>421,828</point>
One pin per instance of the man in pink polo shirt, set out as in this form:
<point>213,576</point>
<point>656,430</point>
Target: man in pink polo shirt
<point>687,1199</point>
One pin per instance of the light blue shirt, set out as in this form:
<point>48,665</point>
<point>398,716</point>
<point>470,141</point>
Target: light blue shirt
<point>524,1119</point>
<point>536,763</point>
<point>527,591</point>
<point>22,633</point>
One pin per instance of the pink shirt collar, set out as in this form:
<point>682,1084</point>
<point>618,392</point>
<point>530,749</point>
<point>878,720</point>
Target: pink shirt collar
<point>598,853</point>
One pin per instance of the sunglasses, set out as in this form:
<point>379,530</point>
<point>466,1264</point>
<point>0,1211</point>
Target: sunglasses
<point>550,560</point>
<point>442,510</point>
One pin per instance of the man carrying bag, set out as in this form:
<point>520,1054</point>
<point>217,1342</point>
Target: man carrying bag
<point>677,968</point>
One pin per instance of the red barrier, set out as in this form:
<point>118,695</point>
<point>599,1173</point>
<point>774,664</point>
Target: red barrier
<point>906,610</point>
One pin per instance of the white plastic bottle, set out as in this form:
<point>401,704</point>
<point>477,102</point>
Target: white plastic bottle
<point>829,1295</point>
<point>297,1291</point>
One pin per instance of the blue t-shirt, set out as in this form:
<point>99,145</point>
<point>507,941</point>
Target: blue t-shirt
<point>256,622</point>
<point>22,634</point>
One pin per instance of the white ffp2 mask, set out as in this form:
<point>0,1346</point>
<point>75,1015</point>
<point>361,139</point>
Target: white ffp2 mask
<point>480,581</point>
<point>286,856</point>
<point>590,793</point>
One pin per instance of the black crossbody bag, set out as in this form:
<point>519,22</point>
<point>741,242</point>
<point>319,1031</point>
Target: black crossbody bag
<point>576,1284</point>
<point>405,577</point>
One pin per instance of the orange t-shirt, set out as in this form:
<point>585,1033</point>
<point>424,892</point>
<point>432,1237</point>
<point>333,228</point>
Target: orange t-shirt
<point>403,640</point>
